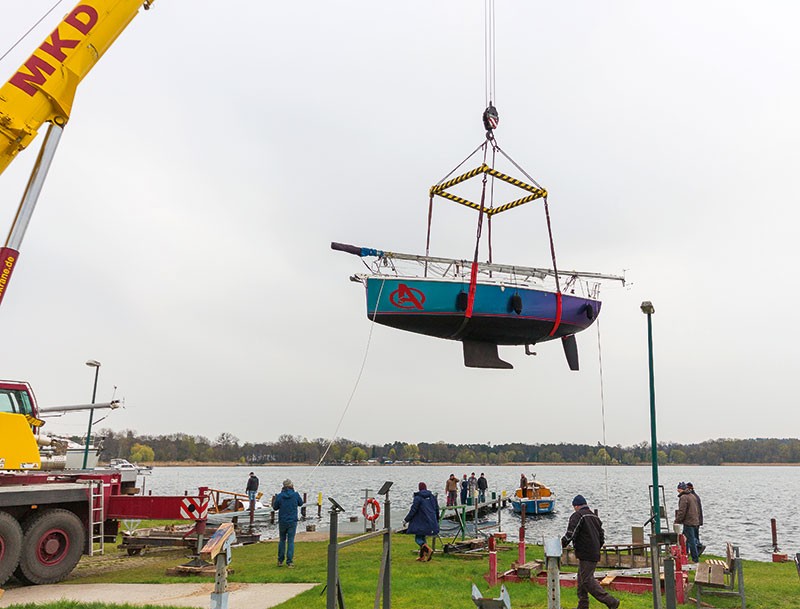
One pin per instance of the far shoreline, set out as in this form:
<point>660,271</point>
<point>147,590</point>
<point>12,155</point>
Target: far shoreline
<point>454,465</point>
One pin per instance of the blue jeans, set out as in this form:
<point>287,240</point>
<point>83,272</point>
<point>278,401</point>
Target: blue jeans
<point>420,539</point>
<point>481,496</point>
<point>287,531</point>
<point>251,495</point>
<point>691,540</point>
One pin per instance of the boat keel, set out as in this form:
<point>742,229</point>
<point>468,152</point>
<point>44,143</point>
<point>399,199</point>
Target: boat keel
<point>479,354</point>
<point>570,350</point>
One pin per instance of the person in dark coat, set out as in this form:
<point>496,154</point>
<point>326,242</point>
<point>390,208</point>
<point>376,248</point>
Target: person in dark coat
<point>523,484</point>
<point>464,489</point>
<point>286,503</point>
<point>688,514</point>
<point>423,519</point>
<point>700,547</point>
<point>585,532</point>
<point>483,484</point>
<point>252,487</point>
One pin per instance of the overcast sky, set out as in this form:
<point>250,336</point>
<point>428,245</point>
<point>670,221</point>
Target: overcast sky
<point>182,238</point>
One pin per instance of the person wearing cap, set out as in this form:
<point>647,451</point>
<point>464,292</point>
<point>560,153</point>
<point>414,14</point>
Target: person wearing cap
<point>585,533</point>
<point>423,519</point>
<point>252,487</point>
<point>286,503</point>
<point>700,547</point>
<point>688,514</point>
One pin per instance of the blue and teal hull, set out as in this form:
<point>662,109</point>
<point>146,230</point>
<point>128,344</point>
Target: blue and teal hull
<point>501,315</point>
<point>533,506</point>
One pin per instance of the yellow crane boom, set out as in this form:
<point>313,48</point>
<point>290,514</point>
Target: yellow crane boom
<point>42,91</point>
<point>43,88</point>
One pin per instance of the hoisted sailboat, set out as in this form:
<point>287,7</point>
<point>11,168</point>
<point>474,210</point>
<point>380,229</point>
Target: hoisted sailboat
<point>503,305</point>
<point>483,305</point>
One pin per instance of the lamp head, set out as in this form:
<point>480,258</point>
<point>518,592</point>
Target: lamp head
<point>648,308</point>
<point>93,363</point>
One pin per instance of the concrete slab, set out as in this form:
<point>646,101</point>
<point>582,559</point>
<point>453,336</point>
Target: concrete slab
<point>250,596</point>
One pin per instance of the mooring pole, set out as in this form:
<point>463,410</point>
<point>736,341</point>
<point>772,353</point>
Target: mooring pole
<point>521,555</point>
<point>387,549</point>
<point>333,560</point>
<point>656,572</point>
<point>492,561</point>
<point>552,553</point>
<point>669,582</point>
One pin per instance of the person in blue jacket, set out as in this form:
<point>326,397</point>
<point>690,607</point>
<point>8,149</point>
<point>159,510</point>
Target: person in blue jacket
<point>464,489</point>
<point>423,519</point>
<point>286,503</point>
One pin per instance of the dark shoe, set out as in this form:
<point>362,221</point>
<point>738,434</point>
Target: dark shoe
<point>290,565</point>
<point>280,564</point>
<point>615,606</point>
<point>700,549</point>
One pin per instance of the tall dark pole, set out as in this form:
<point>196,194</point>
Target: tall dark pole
<point>648,309</point>
<point>96,365</point>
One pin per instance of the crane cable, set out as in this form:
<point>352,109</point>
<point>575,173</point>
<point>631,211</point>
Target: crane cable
<point>25,35</point>
<point>489,51</point>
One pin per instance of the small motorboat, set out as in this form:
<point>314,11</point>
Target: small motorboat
<point>226,504</point>
<point>537,499</point>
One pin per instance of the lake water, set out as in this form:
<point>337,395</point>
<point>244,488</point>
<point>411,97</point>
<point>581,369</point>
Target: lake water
<point>738,502</point>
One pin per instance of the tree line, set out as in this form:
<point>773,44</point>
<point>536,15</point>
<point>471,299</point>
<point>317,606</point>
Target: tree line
<point>226,447</point>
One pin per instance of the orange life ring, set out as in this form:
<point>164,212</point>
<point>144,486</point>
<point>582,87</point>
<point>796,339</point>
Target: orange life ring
<point>375,509</point>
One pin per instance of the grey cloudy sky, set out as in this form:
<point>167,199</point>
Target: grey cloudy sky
<point>182,238</point>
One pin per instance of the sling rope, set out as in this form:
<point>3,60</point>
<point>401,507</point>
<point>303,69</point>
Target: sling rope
<point>355,388</point>
<point>602,403</point>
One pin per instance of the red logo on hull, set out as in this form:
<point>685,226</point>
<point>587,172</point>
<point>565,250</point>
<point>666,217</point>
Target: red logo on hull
<point>407,298</point>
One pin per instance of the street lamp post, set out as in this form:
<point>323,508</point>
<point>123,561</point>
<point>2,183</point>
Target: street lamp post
<point>648,309</point>
<point>96,365</point>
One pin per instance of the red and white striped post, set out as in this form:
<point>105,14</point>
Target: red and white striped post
<point>492,561</point>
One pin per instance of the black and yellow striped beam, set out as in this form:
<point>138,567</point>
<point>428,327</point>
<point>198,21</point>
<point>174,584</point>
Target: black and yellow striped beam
<point>468,203</point>
<point>441,190</point>
<point>514,181</point>
<point>435,190</point>
<point>496,210</point>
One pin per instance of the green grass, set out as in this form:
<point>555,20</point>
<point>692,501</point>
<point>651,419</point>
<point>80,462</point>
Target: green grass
<point>444,583</point>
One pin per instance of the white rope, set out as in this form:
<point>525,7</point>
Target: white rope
<point>42,18</point>
<point>602,403</point>
<point>352,393</point>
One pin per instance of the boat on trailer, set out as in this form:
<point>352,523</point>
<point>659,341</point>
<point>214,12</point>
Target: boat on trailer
<point>537,499</point>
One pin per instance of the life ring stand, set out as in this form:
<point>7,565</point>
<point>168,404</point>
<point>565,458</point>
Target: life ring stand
<point>371,505</point>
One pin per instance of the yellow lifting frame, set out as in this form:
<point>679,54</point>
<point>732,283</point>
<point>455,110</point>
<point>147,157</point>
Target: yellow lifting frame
<point>441,190</point>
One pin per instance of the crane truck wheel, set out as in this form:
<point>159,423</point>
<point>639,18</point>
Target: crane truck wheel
<point>10,545</point>
<point>52,544</point>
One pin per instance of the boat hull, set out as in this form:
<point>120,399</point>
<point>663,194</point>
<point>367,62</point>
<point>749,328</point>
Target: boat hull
<point>534,506</point>
<point>434,307</point>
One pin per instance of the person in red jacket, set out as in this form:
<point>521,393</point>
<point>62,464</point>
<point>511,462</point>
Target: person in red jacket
<point>585,532</point>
